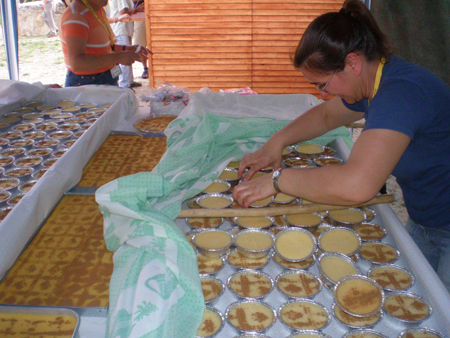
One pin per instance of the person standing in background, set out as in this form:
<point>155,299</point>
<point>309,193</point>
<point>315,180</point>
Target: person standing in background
<point>140,37</point>
<point>124,33</point>
<point>91,54</point>
<point>49,7</point>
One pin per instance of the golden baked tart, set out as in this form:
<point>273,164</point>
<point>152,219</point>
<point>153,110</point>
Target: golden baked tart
<point>15,199</point>
<point>359,296</point>
<point>250,284</point>
<point>353,321</point>
<point>6,160</point>
<point>39,152</point>
<point>238,260</point>
<point>304,315</point>
<point>420,332</point>
<point>305,264</point>
<point>155,124</point>
<point>21,143</point>
<point>211,323</point>
<point>18,172</point>
<point>4,212</point>
<point>12,151</point>
<point>4,195</point>
<point>3,141</point>
<point>212,288</point>
<point>379,253</point>
<point>209,265</point>
<point>391,277</point>
<point>34,135</point>
<point>369,231</point>
<point>28,161</point>
<point>323,161</point>
<point>204,222</point>
<point>299,284</point>
<point>297,162</point>
<point>250,316</point>
<point>407,307</point>
<point>23,127</point>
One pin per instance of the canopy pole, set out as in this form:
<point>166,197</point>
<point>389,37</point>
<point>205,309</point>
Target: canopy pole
<point>11,37</point>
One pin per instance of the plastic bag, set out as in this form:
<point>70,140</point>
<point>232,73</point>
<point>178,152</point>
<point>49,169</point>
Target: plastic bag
<point>166,92</point>
<point>167,99</point>
<point>242,91</point>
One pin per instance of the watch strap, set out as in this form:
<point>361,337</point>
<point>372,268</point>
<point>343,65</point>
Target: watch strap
<point>275,176</point>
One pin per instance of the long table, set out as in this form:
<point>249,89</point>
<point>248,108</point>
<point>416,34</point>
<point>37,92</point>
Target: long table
<point>23,222</point>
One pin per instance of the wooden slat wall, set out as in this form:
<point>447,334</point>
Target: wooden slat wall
<point>232,44</point>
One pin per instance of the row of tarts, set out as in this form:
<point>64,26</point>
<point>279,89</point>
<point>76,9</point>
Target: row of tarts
<point>33,138</point>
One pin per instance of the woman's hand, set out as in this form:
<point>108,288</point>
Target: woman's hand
<point>139,50</point>
<point>245,193</point>
<point>269,155</point>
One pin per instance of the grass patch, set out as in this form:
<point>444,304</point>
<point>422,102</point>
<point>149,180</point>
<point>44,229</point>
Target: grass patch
<point>29,47</point>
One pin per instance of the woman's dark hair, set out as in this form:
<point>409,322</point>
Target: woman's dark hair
<point>332,36</point>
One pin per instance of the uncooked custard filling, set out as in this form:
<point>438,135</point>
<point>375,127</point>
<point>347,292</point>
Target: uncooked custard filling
<point>253,241</point>
<point>214,202</point>
<point>295,245</point>
<point>213,239</point>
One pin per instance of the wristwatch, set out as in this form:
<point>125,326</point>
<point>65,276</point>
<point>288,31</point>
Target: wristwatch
<point>275,176</point>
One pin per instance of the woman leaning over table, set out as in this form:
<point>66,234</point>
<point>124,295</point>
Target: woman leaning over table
<point>406,134</point>
<point>90,54</point>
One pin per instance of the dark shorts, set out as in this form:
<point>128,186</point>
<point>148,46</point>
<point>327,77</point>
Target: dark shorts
<point>105,78</point>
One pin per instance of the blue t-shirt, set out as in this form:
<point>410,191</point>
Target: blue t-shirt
<point>415,102</point>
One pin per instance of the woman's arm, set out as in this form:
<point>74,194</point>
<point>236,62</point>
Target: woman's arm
<point>372,159</point>
<point>313,123</point>
<point>82,62</point>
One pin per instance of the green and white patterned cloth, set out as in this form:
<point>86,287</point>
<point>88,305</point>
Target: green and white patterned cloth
<point>155,289</point>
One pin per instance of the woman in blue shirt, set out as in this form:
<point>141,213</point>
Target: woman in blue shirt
<point>407,129</point>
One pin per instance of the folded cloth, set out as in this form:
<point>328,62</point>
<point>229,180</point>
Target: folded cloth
<point>155,289</point>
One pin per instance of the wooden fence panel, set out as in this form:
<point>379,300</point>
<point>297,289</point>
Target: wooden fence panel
<point>230,44</point>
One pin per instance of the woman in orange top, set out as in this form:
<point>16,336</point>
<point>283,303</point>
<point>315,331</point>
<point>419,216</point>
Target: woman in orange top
<point>90,54</point>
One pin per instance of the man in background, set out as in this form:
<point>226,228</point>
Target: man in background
<point>124,33</point>
<point>49,7</point>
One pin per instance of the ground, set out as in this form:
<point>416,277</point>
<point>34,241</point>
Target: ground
<point>41,60</point>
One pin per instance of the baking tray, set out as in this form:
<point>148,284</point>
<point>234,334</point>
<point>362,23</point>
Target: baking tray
<point>387,325</point>
<point>43,312</point>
